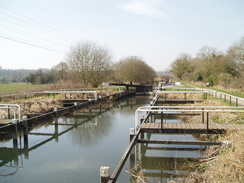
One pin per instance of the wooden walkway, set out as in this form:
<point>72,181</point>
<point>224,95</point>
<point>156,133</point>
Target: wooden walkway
<point>188,128</point>
<point>5,121</point>
<point>177,101</point>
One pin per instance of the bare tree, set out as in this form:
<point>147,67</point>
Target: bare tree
<point>60,71</point>
<point>134,69</point>
<point>182,65</point>
<point>89,62</point>
<point>236,54</point>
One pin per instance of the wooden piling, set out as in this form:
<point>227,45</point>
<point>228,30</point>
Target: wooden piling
<point>104,174</point>
<point>132,133</point>
<point>56,113</point>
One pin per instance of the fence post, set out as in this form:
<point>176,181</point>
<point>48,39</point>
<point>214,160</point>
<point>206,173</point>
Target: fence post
<point>236,102</point>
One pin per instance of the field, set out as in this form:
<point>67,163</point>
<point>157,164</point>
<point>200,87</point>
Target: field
<point>14,88</point>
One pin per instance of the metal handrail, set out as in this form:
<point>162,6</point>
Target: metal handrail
<point>58,91</point>
<point>163,109</point>
<point>10,108</point>
<point>16,105</point>
<point>186,91</point>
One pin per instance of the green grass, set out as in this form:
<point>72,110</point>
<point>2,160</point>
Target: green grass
<point>180,88</point>
<point>14,88</point>
<point>237,94</point>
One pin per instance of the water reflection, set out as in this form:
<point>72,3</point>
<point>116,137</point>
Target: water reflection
<point>164,162</point>
<point>27,149</point>
<point>90,131</point>
<point>87,129</point>
<point>73,147</point>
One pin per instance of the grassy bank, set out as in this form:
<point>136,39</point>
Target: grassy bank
<point>238,93</point>
<point>35,104</point>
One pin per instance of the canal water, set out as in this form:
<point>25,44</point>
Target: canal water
<point>73,150</point>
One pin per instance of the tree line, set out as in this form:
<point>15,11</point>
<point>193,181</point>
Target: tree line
<point>212,66</point>
<point>14,75</point>
<point>91,64</point>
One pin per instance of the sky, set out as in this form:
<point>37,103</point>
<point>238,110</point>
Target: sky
<point>39,34</point>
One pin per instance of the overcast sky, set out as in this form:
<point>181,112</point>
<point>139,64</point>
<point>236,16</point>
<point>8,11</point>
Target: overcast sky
<point>38,34</point>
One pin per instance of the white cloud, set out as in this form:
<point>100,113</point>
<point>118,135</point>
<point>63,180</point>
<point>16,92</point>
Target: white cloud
<point>145,7</point>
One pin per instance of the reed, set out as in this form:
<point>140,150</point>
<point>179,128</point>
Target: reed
<point>222,164</point>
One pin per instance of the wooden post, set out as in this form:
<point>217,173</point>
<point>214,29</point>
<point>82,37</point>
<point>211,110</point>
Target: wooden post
<point>15,145</point>
<point>15,136</point>
<point>8,112</point>
<point>141,118</point>
<point>55,135</point>
<point>90,105</point>
<point>236,102</point>
<point>26,144</point>
<point>132,153</point>
<point>207,121</point>
<point>56,112</point>
<point>100,103</point>
<point>132,133</point>
<point>104,174</point>
<point>203,116</point>
<point>230,100</point>
<point>162,118</point>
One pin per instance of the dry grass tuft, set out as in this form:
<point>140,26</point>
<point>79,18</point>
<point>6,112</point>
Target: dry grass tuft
<point>223,164</point>
<point>39,105</point>
<point>33,106</point>
<point>138,175</point>
<point>227,166</point>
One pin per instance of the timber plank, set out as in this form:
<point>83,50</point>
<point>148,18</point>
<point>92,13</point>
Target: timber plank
<point>189,127</point>
<point>5,121</point>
